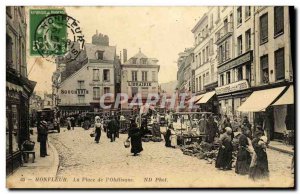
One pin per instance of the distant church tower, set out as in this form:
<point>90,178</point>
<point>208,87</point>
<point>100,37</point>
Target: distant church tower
<point>100,39</point>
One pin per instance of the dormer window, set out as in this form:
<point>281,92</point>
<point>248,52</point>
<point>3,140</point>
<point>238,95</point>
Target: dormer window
<point>99,55</point>
<point>134,60</point>
<point>144,61</point>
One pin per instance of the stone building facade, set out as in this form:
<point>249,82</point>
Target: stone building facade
<point>139,78</point>
<point>18,87</point>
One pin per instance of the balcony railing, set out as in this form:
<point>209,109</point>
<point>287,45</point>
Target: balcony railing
<point>224,32</point>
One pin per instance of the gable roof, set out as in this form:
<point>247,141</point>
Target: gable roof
<point>108,55</point>
<point>139,56</point>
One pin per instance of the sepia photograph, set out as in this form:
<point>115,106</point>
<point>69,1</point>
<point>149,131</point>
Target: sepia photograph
<point>150,97</point>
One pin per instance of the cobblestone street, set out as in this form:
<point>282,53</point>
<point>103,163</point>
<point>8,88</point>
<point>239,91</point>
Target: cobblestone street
<point>112,165</point>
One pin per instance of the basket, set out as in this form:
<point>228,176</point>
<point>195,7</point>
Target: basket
<point>127,143</point>
<point>92,134</point>
<point>28,145</point>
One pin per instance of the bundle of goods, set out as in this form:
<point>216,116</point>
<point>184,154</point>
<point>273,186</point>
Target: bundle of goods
<point>190,134</point>
<point>123,131</point>
<point>145,139</point>
<point>203,150</point>
<point>156,139</point>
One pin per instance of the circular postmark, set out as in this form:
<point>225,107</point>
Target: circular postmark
<point>59,35</point>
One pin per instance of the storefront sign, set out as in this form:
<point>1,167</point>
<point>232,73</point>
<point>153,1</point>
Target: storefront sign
<point>139,83</point>
<point>233,87</point>
<point>247,57</point>
<point>79,91</point>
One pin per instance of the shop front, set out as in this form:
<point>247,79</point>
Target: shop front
<point>208,102</point>
<point>273,109</point>
<point>18,91</point>
<point>231,97</point>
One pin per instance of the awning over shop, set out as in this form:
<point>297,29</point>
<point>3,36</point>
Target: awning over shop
<point>260,100</point>
<point>206,97</point>
<point>287,97</point>
<point>15,87</point>
<point>195,98</point>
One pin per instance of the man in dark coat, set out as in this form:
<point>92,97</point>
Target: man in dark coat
<point>112,129</point>
<point>42,138</point>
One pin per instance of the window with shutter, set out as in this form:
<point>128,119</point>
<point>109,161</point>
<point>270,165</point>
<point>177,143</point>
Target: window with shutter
<point>248,39</point>
<point>200,84</point>
<point>9,51</point>
<point>247,12</point>
<point>239,15</point>
<point>264,64</point>
<point>227,50</point>
<point>207,53</point>
<point>240,45</point>
<point>279,64</point>
<point>264,28</point>
<point>211,45</point>
<point>278,20</point>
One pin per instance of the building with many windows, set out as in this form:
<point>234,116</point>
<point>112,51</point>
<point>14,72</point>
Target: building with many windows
<point>18,87</point>
<point>251,59</point>
<point>139,77</point>
<point>83,89</point>
<point>272,100</point>
<point>236,64</point>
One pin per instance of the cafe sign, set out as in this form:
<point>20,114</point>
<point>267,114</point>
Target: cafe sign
<point>139,84</point>
<point>247,57</point>
<point>233,87</point>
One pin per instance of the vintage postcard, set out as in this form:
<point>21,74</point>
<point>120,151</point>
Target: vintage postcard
<point>150,97</point>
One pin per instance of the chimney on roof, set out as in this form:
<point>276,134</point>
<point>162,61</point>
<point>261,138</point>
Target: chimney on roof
<point>124,55</point>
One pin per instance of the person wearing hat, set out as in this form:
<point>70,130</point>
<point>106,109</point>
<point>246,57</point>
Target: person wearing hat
<point>113,129</point>
<point>224,157</point>
<point>42,138</point>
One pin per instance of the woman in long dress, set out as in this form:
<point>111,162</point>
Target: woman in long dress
<point>168,137</point>
<point>173,137</point>
<point>135,135</point>
<point>259,168</point>
<point>244,154</point>
<point>224,157</point>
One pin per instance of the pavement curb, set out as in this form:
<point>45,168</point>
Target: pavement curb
<point>56,159</point>
<point>280,150</point>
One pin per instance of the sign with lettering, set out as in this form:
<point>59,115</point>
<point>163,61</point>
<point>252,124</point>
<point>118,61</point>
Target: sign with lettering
<point>233,87</point>
<point>139,83</point>
<point>247,57</point>
<point>78,91</point>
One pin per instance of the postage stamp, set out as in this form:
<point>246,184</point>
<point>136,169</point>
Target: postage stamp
<point>54,33</point>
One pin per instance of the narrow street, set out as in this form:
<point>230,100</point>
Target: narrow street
<point>112,165</point>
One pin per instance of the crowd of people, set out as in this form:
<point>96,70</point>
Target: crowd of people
<point>251,155</point>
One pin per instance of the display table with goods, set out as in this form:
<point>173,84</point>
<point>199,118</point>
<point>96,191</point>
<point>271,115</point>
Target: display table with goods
<point>208,151</point>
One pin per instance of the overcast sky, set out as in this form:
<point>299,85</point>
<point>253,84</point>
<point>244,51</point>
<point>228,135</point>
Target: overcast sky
<point>160,32</point>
